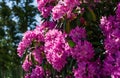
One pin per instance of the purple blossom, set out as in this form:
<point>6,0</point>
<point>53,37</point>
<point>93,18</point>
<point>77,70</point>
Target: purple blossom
<point>37,53</point>
<point>111,31</point>
<point>85,70</point>
<point>118,12</point>
<point>71,3</point>
<point>44,26</point>
<point>112,65</point>
<point>111,46</point>
<point>45,12</point>
<point>42,3</point>
<point>38,72</point>
<point>59,11</point>
<point>25,43</point>
<point>26,64</point>
<point>48,24</point>
<point>107,25</point>
<point>45,7</point>
<point>56,49</point>
<point>27,76</point>
<point>30,36</point>
<point>83,51</point>
<point>77,34</point>
<point>63,7</point>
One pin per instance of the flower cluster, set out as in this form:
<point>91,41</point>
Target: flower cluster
<point>111,31</point>
<point>85,70</point>
<point>45,7</point>
<point>35,35</point>
<point>118,12</point>
<point>37,72</point>
<point>32,43</point>
<point>47,47</point>
<point>83,52</point>
<point>37,53</point>
<point>25,43</point>
<point>27,64</point>
<point>56,49</point>
<point>83,49</point>
<point>59,8</point>
<point>77,34</point>
<point>44,41</point>
<point>64,7</point>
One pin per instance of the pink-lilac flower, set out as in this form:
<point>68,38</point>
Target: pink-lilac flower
<point>27,76</point>
<point>111,31</point>
<point>59,11</point>
<point>83,51</point>
<point>37,53</point>
<point>49,24</point>
<point>45,7</point>
<point>63,7</point>
<point>26,64</point>
<point>77,34</point>
<point>38,72</point>
<point>26,41</point>
<point>118,12</point>
<point>55,49</point>
<point>45,12</point>
<point>106,25</point>
<point>85,70</point>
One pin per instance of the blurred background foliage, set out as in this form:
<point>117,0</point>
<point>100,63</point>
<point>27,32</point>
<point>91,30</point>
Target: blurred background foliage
<point>18,16</point>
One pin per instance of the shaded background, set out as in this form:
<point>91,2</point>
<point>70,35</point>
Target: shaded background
<point>16,17</point>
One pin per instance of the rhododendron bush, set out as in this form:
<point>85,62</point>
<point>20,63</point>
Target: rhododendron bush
<point>76,39</point>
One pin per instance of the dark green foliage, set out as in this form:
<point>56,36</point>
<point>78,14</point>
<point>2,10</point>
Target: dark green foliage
<point>15,19</point>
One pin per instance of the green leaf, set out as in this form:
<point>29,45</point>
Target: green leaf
<point>90,15</point>
<point>71,43</point>
<point>33,60</point>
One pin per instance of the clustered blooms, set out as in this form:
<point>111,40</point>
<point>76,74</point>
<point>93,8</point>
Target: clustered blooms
<point>83,49</point>
<point>35,35</point>
<point>44,41</point>
<point>37,72</point>
<point>27,64</point>
<point>47,47</point>
<point>32,43</point>
<point>45,7</point>
<point>37,53</point>
<point>77,34</point>
<point>85,70</point>
<point>64,7</point>
<point>25,43</point>
<point>118,12</point>
<point>111,31</point>
<point>83,52</point>
<point>56,49</point>
<point>59,10</point>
